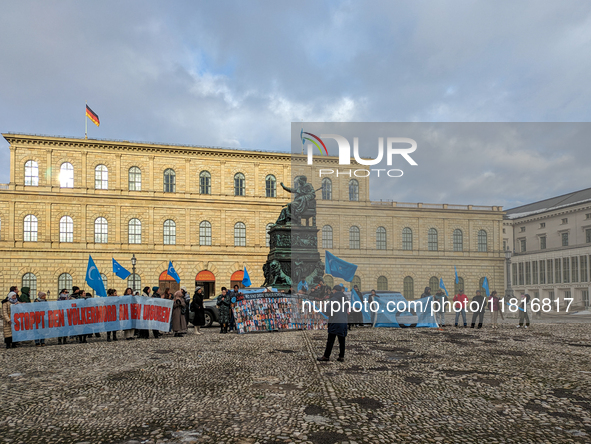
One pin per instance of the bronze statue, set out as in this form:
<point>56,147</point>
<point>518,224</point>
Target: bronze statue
<point>303,203</point>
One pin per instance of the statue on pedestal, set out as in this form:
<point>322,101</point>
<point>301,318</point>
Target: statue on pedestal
<point>303,203</point>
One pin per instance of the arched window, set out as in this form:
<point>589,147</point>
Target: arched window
<point>327,236</point>
<point>239,235</point>
<point>328,280</point>
<point>135,179</point>
<point>459,286</point>
<point>64,281</point>
<point>382,283</point>
<point>326,189</point>
<point>239,185</point>
<point>406,239</point>
<point>353,190</point>
<point>481,286</point>
<point>169,232</point>
<point>134,281</point>
<point>66,175</point>
<point>458,239</point>
<point>134,230</point>
<point>101,230</point>
<point>101,177</point>
<point>432,241</point>
<point>354,238</point>
<point>409,288</point>
<point>482,241</point>
<point>105,281</point>
<point>204,233</point>
<point>169,180</point>
<point>270,186</point>
<point>30,228</point>
<point>381,238</point>
<point>204,182</point>
<point>267,229</point>
<point>434,284</point>
<point>356,281</point>
<point>30,280</point>
<point>31,173</point>
<point>66,229</point>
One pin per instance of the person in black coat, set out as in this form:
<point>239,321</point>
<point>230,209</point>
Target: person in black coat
<point>337,325</point>
<point>198,309</point>
<point>479,313</point>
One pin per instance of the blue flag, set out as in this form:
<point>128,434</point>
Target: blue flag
<point>443,286</point>
<point>457,281</point>
<point>172,273</point>
<point>119,270</point>
<point>246,279</point>
<point>485,286</point>
<point>94,279</point>
<point>339,268</point>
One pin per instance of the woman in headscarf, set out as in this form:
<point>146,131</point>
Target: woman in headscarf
<point>10,300</point>
<point>179,324</point>
<point>198,309</point>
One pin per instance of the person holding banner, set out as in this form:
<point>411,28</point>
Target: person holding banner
<point>111,292</point>
<point>337,324</point>
<point>41,297</point>
<point>10,300</point>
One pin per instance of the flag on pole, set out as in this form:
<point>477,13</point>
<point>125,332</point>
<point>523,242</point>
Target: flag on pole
<point>92,116</point>
<point>119,270</point>
<point>337,267</point>
<point>443,286</point>
<point>246,279</point>
<point>485,286</point>
<point>457,280</point>
<point>94,279</point>
<point>172,273</point>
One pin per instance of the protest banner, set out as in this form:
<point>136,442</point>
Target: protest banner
<point>52,319</point>
<point>274,311</point>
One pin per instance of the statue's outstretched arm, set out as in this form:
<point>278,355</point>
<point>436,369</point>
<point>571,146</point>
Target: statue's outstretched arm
<point>286,188</point>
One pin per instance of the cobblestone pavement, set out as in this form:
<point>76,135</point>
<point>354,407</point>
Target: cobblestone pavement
<point>396,385</point>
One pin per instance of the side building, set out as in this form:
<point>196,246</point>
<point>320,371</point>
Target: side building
<point>208,210</point>
<point>550,242</point>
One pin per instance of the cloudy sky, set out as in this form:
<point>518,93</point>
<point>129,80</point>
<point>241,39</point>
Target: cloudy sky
<point>236,74</point>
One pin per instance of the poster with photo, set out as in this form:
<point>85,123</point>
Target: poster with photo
<point>274,312</point>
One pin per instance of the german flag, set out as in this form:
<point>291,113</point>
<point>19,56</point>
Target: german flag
<point>92,116</point>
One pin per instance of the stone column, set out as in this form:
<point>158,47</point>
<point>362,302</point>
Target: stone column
<point>118,224</point>
<point>256,180</point>
<point>151,176</point>
<point>84,172</point>
<point>118,185</point>
<point>49,169</point>
<point>187,176</point>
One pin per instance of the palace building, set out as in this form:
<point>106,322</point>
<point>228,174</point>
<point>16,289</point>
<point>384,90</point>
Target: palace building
<point>208,210</point>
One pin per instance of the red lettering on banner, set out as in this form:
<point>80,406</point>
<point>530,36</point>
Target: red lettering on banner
<point>61,320</point>
<point>17,326</point>
<point>123,312</point>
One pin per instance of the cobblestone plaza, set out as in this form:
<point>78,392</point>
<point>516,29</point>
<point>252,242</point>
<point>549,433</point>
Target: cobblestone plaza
<point>396,385</point>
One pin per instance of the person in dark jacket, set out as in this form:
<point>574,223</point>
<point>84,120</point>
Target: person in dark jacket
<point>224,303</point>
<point>156,294</point>
<point>523,315</point>
<point>25,295</point>
<point>337,325</point>
<point>479,313</point>
<point>198,309</point>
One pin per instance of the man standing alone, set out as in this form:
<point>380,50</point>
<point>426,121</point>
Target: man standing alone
<point>337,325</point>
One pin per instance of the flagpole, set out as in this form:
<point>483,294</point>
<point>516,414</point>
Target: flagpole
<point>85,123</point>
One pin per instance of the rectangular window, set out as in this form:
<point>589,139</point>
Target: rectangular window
<point>550,273</point>
<point>574,266</point>
<point>588,235</point>
<point>504,231</point>
<point>564,237</point>
<point>542,242</point>
<point>565,221</point>
<point>567,293</point>
<point>542,272</point>
<point>543,225</point>
<point>528,273</point>
<point>514,273</point>
<point>557,278</point>
<point>504,245</point>
<point>521,274</point>
<point>586,298</point>
<point>521,229</point>
<point>584,277</point>
<point>523,246</point>
<point>565,270</point>
<point>534,272</point>
<point>588,216</point>
<point>551,295</point>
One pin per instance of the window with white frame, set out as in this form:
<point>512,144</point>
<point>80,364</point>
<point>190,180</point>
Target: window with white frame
<point>31,173</point>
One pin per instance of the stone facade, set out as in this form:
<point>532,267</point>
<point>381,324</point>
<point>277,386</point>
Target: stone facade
<point>47,258</point>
